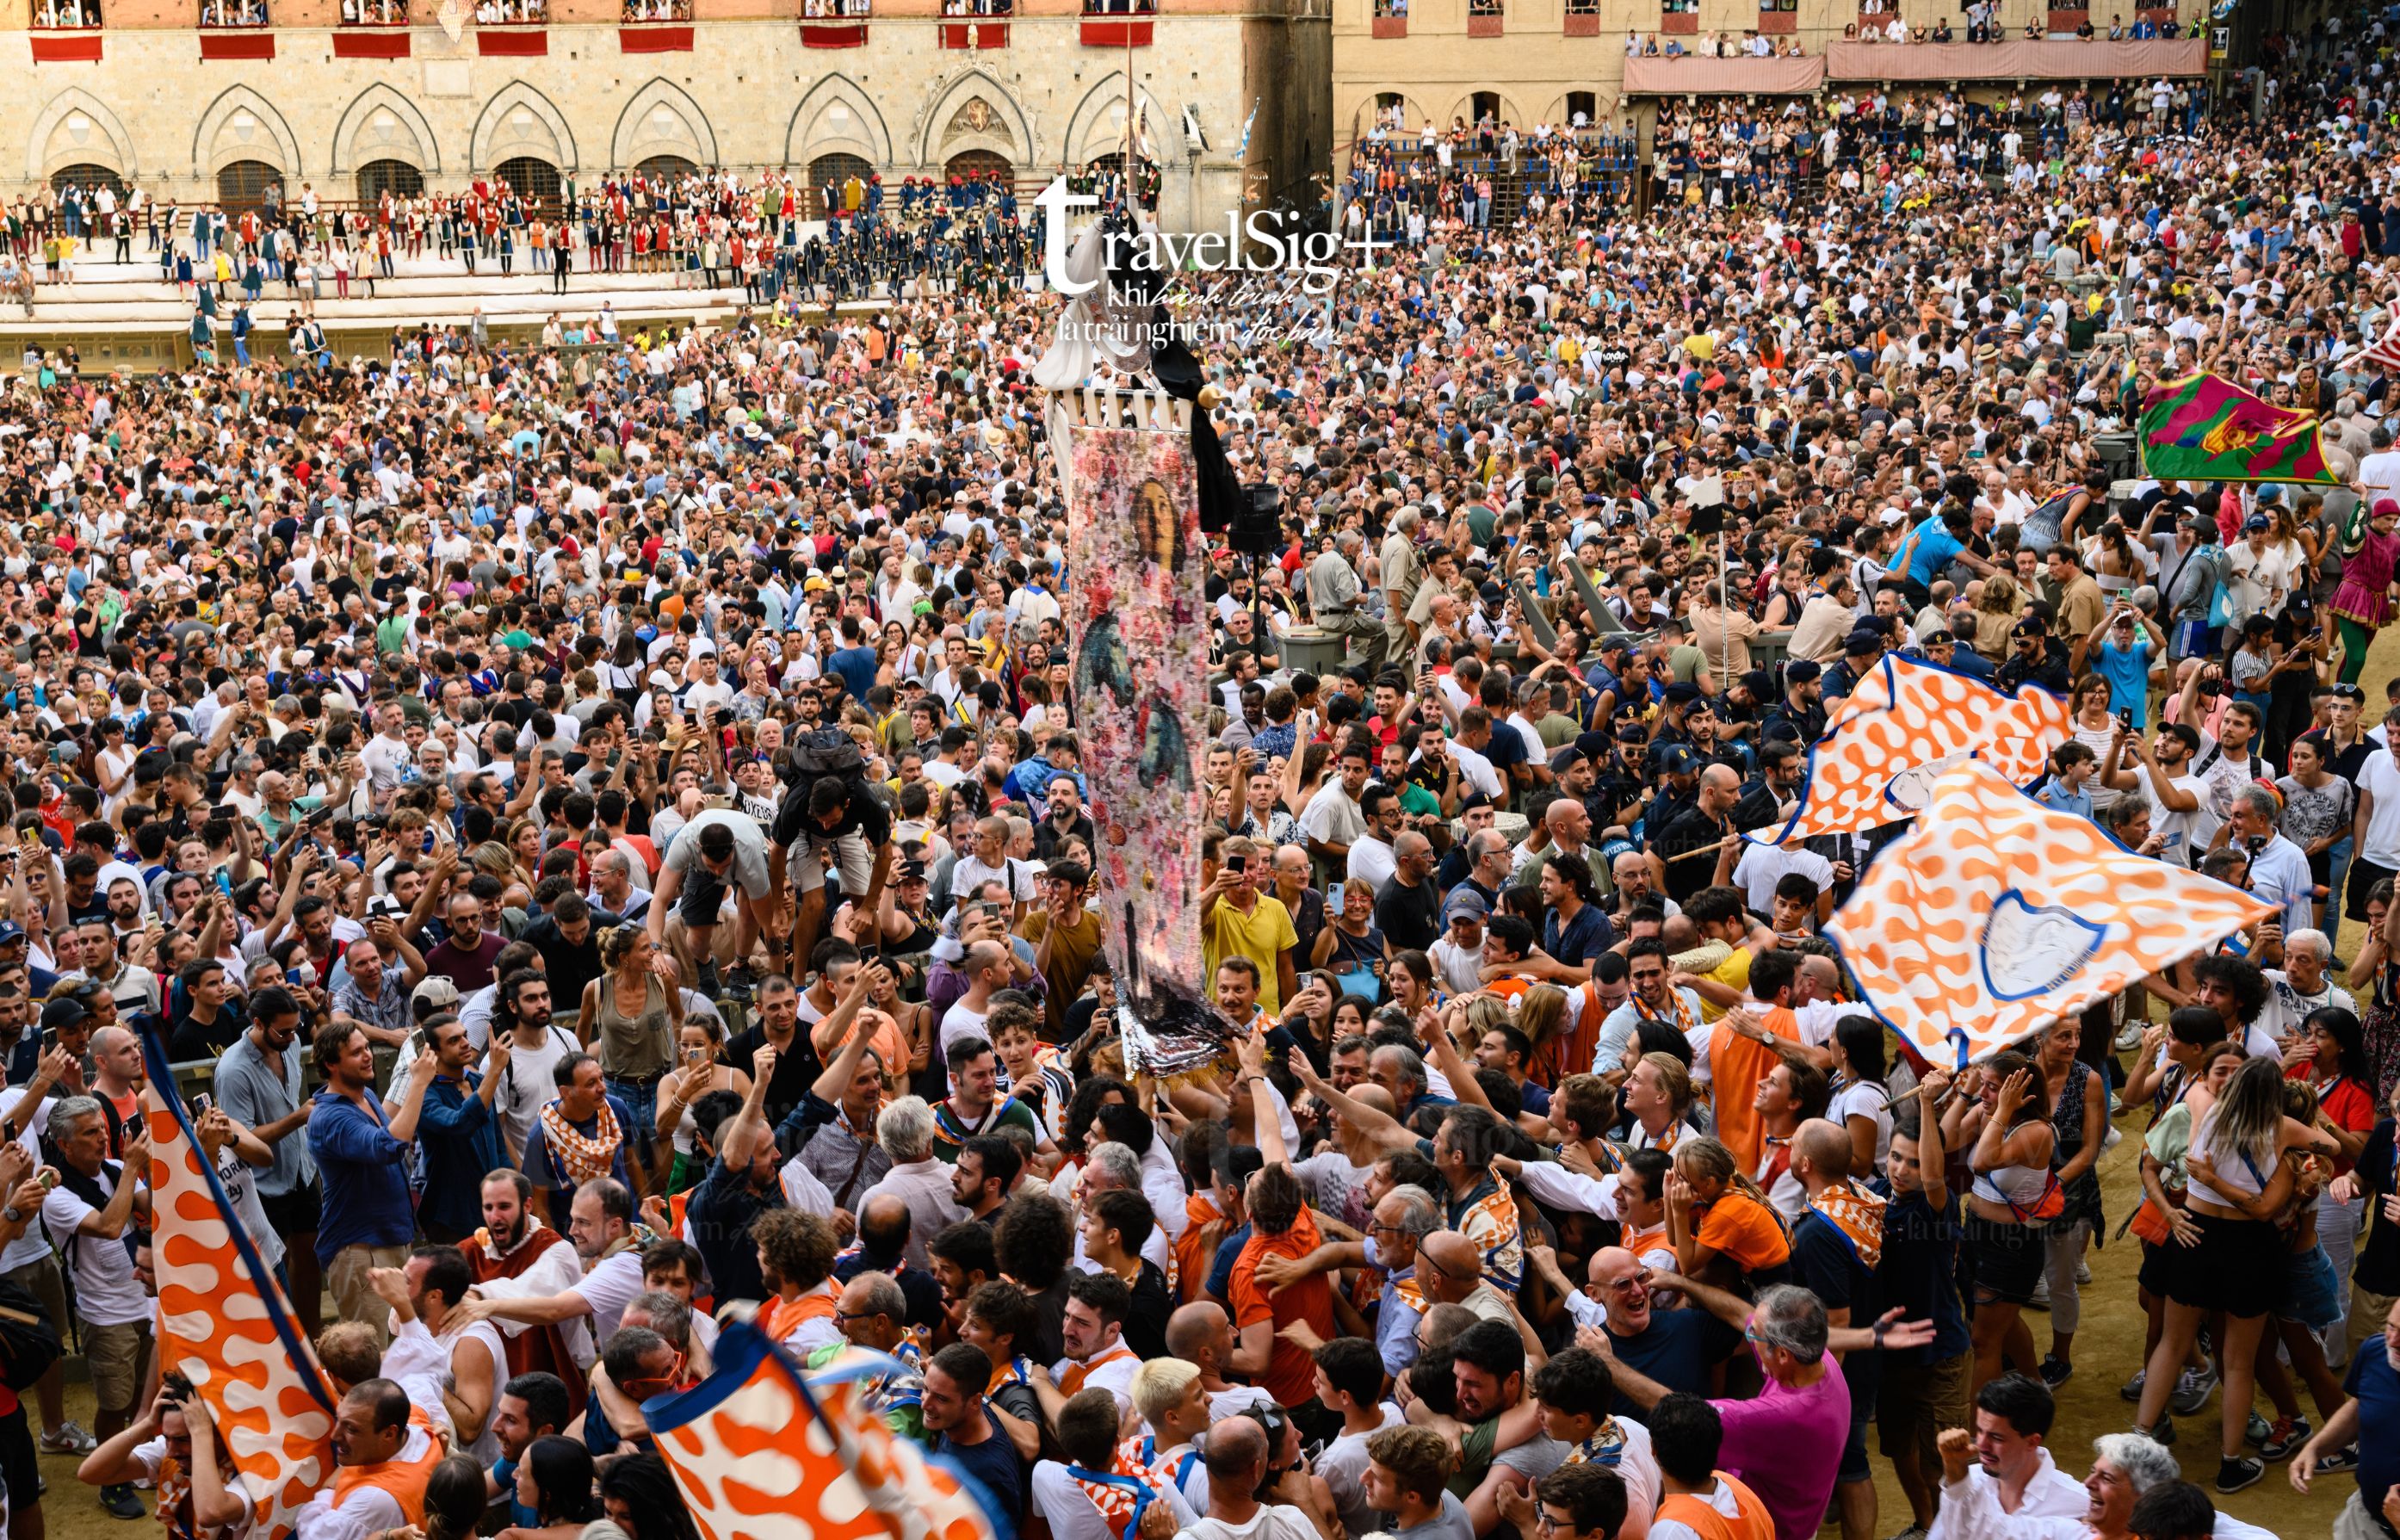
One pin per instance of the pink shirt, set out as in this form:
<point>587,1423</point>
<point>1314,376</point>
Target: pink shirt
<point>1786,1446</point>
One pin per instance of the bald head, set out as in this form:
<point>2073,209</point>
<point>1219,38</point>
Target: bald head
<point>1722,780</point>
<point>1826,1147</point>
<point>1237,1453</point>
<point>1456,1267</point>
<point>1196,1332</point>
<point>1409,845</point>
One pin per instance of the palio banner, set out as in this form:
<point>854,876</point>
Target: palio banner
<point>1138,569</point>
<point>1995,916</point>
<point>2205,428</point>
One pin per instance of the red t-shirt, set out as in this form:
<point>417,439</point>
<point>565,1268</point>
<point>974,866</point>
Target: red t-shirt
<point>1291,1370</point>
<point>2347,1102</point>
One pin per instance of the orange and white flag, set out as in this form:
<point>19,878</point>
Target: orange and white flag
<point>765,1450</point>
<point>1890,739</point>
<point>1995,916</point>
<point>224,1323</point>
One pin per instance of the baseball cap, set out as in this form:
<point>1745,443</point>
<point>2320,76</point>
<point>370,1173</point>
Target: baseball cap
<point>62,1013</point>
<point>1861,642</point>
<point>1465,903</point>
<point>10,931</point>
<point>435,990</point>
<point>2256,524</point>
<point>1800,671</point>
<point>1681,760</point>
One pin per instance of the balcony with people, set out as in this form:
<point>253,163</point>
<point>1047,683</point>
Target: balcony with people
<point>1118,23</point>
<point>974,24</point>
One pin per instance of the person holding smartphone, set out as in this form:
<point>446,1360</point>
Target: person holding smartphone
<point>2123,649</point>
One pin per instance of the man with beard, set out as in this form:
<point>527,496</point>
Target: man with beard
<point>258,1083</point>
<point>529,1407</point>
<point>428,1290</point>
<point>518,1251</point>
<point>387,1449</point>
<point>600,1223</point>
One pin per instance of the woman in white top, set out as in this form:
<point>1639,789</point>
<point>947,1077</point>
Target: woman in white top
<point>1861,1103</point>
<point>2239,1180</point>
<point>696,1074</point>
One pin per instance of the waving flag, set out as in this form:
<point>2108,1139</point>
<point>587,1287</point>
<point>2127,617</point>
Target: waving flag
<point>2205,428</point>
<point>2386,353</point>
<point>1995,916</point>
<point>224,1323</point>
<point>762,1449</point>
<point>1890,739</point>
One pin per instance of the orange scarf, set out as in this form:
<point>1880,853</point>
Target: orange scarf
<point>583,1157</point>
<point>1858,1214</point>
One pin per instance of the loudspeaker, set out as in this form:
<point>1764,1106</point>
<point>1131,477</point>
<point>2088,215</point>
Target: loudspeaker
<point>1258,524</point>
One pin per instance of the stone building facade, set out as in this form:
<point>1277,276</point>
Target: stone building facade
<point>154,96</point>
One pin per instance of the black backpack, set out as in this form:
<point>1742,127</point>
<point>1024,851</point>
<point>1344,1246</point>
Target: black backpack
<point>28,1345</point>
<point>813,757</point>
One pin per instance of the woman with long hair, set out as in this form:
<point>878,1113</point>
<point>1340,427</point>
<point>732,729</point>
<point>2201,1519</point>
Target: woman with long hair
<point>2079,1113</point>
<point>1656,1099</point>
<point>1858,1100</point>
<point>2238,1180</point>
<point>2011,1201</point>
<point>1718,1219</point>
<point>639,1500</point>
<point>454,1499</point>
<point>698,1042</point>
<point>554,1480</point>
<point>2329,1057</point>
<point>630,1017</point>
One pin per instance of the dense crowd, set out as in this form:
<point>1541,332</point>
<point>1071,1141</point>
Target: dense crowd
<point>613,827</point>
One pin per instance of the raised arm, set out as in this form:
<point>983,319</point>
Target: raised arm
<point>1380,1127</point>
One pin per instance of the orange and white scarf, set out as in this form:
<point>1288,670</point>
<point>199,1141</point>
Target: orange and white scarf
<point>1858,1214</point>
<point>583,1157</point>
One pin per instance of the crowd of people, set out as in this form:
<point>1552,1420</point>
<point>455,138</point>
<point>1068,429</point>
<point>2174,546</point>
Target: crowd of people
<point>648,784</point>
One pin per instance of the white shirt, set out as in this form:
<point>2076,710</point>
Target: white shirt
<point>107,1291</point>
<point>1343,1466</point>
<point>2051,1494</point>
<point>365,1511</point>
<point>1055,1497</point>
<point>1372,860</point>
<point>2379,778</point>
<point>153,1455</point>
<point>609,1288</point>
<point>32,1246</point>
<point>1761,866</point>
<point>1273,1522</point>
<point>1115,1376</point>
<point>2282,1016</point>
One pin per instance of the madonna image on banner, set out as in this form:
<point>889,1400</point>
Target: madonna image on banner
<point>1137,566</point>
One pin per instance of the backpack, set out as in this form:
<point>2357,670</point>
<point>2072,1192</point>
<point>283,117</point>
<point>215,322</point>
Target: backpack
<point>813,757</point>
<point>28,1345</point>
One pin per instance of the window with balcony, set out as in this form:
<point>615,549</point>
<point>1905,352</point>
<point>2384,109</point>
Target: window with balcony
<point>56,14</point>
<point>1679,16</point>
<point>375,13</point>
<point>1485,18</point>
<point>657,11</point>
<point>233,13</point>
<point>511,13</point>
<point>835,10</point>
<point>1120,7</point>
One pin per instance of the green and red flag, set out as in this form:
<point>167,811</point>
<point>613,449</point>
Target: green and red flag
<point>2204,429</point>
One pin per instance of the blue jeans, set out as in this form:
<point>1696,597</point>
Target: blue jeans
<point>2336,869</point>
<point>642,1101</point>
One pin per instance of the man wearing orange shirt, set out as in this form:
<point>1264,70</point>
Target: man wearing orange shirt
<point>1281,1226</point>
